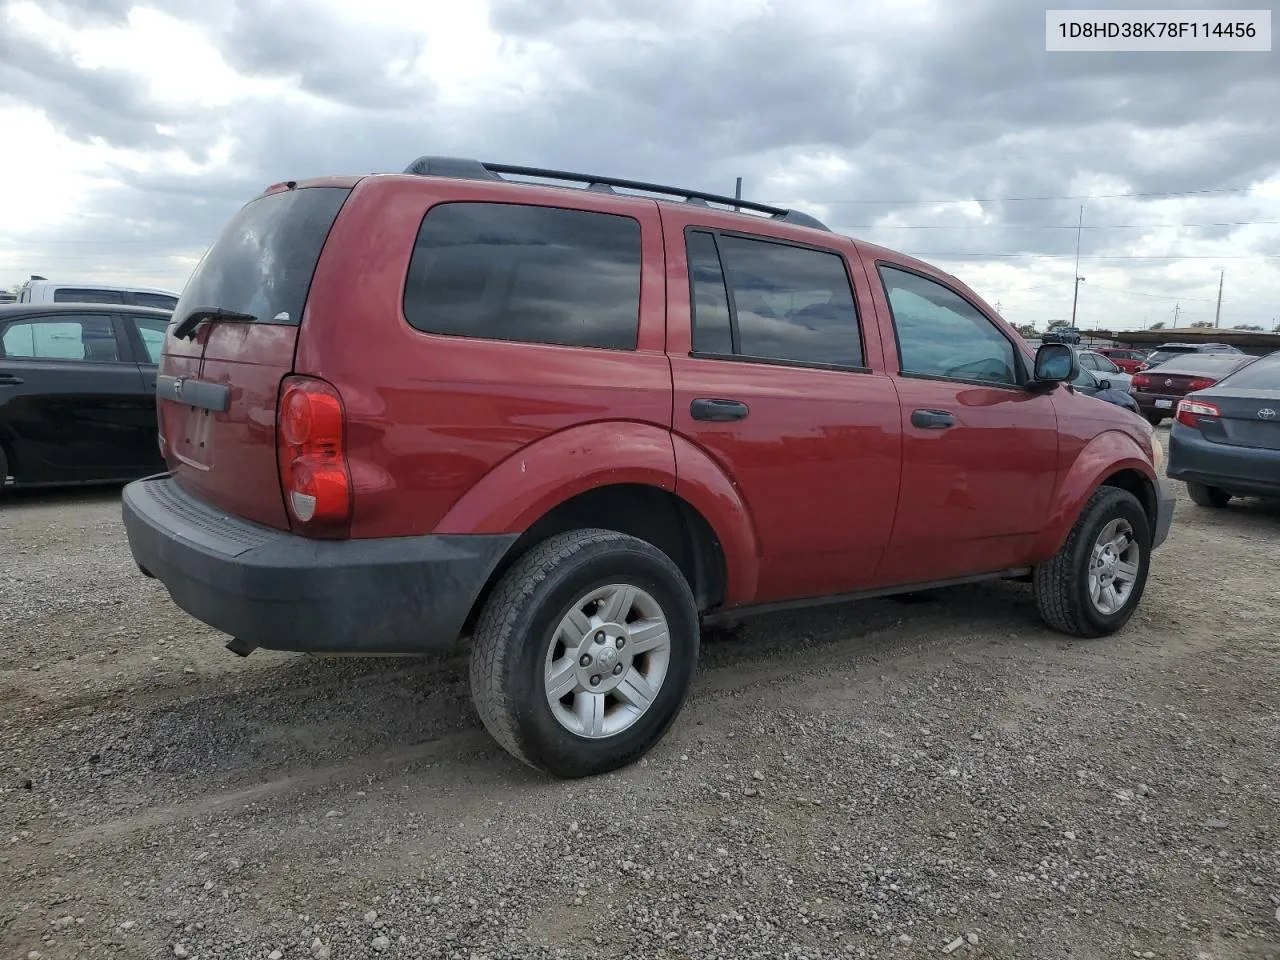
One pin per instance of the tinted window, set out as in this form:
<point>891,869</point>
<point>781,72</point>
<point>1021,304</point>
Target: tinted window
<point>940,334</point>
<point>263,261</point>
<point>64,337</point>
<point>86,295</point>
<point>530,274</point>
<point>151,330</point>
<point>791,303</point>
<point>711,327</point>
<point>1260,374</point>
<point>153,300</point>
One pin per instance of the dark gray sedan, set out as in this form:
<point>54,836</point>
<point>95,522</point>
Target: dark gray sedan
<point>1225,439</point>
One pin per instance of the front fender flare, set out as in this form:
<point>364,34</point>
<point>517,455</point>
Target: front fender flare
<point>1104,456</point>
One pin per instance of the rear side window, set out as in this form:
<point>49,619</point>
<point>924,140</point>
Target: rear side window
<point>528,274</point>
<point>86,295</point>
<point>263,261</point>
<point>151,331</point>
<point>64,337</point>
<point>140,299</point>
<point>781,301</point>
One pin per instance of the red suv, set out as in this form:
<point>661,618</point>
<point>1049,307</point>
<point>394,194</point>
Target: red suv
<point>576,423</point>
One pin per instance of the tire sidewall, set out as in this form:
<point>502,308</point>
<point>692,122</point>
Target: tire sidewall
<point>541,737</point>
<point>1121,504</point>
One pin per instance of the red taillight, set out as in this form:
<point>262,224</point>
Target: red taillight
<point>1190,412</point>
<point>311,428</point>
<point>1140,380</point>
<point>1200,383</point>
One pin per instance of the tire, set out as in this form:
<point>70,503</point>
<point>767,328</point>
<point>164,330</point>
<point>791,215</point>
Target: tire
<point>1155,419</point>
<point>518,638</point>
<point>4,469</point>
<point>1063,584</point>
<point>1207,496</point>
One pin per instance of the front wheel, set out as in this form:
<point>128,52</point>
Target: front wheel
<point>1207,496</point>
<point>584,653</point>
<point>1092,585</point>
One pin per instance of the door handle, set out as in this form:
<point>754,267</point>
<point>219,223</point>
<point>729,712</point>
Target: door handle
<point>717,410</point>
<point>932,419</point>
<point>10,380</point>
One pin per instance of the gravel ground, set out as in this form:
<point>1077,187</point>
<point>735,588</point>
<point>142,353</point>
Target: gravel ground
<point>934,775</point>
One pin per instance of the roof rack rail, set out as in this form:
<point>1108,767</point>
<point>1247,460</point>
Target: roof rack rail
<point>468,169</point>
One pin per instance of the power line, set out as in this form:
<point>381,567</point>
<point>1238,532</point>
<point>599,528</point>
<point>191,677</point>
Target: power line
<point>1070,256</point>
<point>1050,226</point>
<point>1085,196</point>
<point>1158,296</point>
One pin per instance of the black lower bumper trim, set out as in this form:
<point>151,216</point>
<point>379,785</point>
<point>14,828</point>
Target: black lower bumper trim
<point>272,589</point>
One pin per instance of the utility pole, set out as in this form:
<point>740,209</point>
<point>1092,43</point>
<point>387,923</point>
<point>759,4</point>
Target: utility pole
<point>1218,313</point>
<point>1076,295</point>
<point>737,191</point>
<point>1176,308</point>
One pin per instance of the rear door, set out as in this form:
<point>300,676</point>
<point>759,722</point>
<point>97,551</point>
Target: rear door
<point>776,377</point>
<point>979,450</point>
<point>217,392</point>
<point>70,398</point>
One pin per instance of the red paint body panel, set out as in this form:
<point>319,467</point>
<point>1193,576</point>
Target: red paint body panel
<point>429,417</point>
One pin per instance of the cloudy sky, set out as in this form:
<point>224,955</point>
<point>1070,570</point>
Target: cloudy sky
<point>133,129</point>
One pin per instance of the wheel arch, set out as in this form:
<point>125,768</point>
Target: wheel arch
<point>1112,459</point>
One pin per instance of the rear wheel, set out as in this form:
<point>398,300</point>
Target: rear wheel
<point>1092,585</point>
<point>584,653</point>
<point>1207,496</point>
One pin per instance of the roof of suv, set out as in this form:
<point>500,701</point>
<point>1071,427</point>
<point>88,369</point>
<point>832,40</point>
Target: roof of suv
<point>459,168</point>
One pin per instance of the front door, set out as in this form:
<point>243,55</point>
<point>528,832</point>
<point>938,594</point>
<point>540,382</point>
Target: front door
<point>774,384</point>
<point>979,449</point>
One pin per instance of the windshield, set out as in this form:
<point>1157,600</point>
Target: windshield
<point>262,263</point>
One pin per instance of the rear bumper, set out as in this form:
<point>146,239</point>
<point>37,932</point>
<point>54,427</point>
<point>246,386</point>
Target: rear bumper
<point>269,588</point>
<point>1245,471</point>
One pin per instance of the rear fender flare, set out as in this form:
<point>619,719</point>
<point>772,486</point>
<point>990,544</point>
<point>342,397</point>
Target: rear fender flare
<point>1105,455</point>
<point>559,467</point>
<point>512,496</point>
<point>706,487</point>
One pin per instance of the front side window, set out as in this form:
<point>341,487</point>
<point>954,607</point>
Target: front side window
<point>781,302</point>
<point>530,274</point>
<point>943,336</point>
<point>64,337</point>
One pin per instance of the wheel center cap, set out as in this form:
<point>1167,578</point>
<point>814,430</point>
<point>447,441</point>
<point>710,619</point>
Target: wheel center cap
<point>607,658</point>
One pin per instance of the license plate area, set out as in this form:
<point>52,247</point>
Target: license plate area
<point>194,444</point>
<point>1164,404</point>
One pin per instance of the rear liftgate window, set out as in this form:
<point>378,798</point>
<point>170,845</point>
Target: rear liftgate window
<point>264,259</point>
<point>529,274</point>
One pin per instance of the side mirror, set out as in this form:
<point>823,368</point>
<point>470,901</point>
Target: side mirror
<point>1056,363</point>
<point>1104,384</point>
